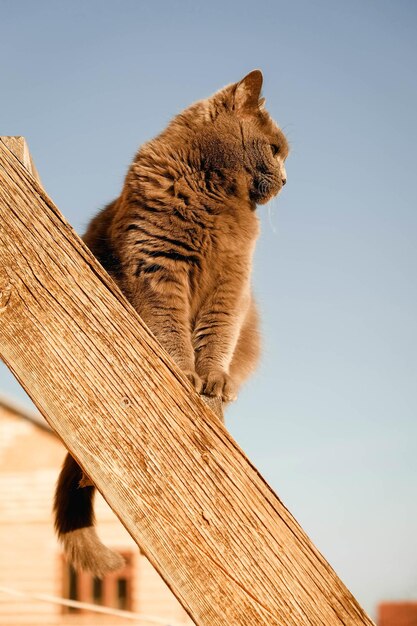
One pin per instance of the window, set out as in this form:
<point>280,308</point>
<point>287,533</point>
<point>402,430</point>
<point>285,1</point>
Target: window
<point>114,590</point>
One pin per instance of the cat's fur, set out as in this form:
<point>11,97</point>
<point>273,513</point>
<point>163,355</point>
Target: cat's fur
<point>179,242</point>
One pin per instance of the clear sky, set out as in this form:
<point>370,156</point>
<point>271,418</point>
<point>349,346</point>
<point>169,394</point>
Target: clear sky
<point>330,417</point>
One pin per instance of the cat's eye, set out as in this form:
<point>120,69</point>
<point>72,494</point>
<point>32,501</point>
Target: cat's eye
<point>274,149</point>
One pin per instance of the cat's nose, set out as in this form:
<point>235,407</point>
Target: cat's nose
<point>284,180</point>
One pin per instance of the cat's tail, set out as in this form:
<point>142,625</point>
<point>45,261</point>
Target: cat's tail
<point>74,523</point>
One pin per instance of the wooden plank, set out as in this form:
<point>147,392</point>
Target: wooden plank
<point>20,149</point>
<point>221,539</point>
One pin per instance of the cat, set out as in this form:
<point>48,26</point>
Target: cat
<point>179,242</point>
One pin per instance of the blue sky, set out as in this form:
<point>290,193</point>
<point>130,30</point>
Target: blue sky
<point>330,416</point>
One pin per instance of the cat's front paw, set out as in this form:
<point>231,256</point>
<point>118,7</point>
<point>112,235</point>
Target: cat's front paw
<point>194,379</point>
<point>218,384</point>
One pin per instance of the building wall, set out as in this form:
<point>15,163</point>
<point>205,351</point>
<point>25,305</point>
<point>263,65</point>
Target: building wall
<point>397,614</point>
<point>30,558</point>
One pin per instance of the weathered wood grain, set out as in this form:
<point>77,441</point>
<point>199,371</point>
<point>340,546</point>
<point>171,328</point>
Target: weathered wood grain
<point>222,540</point>
<point>19,147</point>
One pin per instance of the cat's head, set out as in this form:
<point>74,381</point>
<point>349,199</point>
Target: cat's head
<point>236,137</point>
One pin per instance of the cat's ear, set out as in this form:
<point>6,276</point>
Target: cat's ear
<point>247,92</point>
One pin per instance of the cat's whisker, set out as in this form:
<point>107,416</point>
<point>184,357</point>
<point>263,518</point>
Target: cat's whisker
<point>271,206</point>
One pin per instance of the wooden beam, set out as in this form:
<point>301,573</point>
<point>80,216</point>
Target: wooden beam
<point>19,147</point>
<point>229,549</point>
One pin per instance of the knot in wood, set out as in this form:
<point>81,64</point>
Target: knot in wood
<point>205,457</point>
<point>206,517</point>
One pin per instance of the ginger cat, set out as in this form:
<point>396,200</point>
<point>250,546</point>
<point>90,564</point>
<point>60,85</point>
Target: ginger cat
<point>179,241</point>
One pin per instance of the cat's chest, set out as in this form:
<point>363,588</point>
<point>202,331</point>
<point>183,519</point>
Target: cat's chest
<point>226,253</point>
<point>219,246</point>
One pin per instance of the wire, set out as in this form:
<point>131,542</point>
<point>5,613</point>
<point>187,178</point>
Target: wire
<point>86,606</point>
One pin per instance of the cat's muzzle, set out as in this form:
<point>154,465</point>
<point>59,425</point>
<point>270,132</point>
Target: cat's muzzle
<point>264,189</point>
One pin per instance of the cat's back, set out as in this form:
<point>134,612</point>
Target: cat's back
<point>98,239</point>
